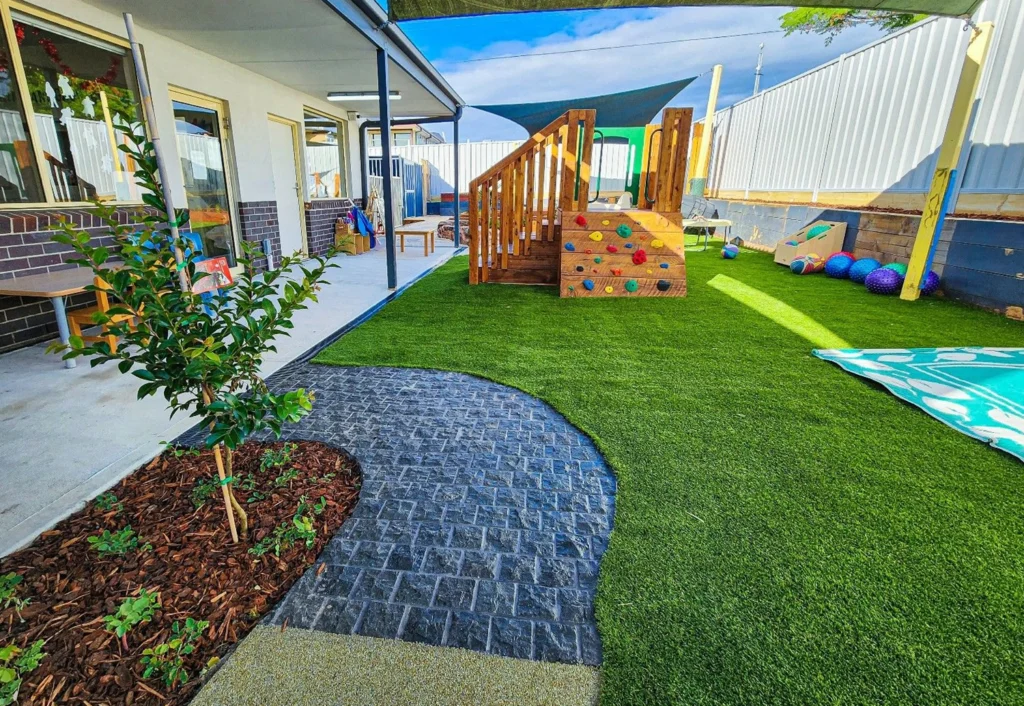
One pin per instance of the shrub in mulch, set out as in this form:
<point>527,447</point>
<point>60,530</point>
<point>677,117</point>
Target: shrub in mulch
<point>179,550</point>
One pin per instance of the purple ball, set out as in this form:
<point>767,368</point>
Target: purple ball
<point>883,281</point>
<point>862,268</point>
<point>838,266</point>
<point>930,284</point>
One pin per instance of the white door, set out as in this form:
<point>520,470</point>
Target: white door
<point>286,186</point>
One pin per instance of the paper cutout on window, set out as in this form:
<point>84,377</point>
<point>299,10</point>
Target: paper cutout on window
<point>88,107</point>
<point>90,139</point>
<point>65,116</point>
<point>198,160</point>
<point>108,164</point>
<point>66,91</point>
<point>51,95</point>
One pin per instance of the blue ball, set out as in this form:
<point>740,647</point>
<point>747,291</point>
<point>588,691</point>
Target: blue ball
<point>860,270</point>
<point>730,251</point>
<point>930,285</point>
<point>838,266</point>
<point>883,281</point>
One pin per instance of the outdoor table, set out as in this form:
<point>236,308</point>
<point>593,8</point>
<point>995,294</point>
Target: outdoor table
<point>53,286</point>
<point>427,227</point>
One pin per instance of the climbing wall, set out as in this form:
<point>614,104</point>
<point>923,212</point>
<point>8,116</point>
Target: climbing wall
<point>622,254</point>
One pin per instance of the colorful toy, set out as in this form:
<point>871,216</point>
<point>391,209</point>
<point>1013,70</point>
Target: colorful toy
<point>632,285</point>
<point>817,237</point>
<point>624,231</point>
<point>883,281</point>
<point>730,251</point>
<point>838,266</point>
<point>897,267</point>
<point>570,247</point>
<point>597,236</point>
<point>639,257</point>
<point>862,268</point>
<point>581,220</point>
<point>807,265</point>
<point>930,285</point>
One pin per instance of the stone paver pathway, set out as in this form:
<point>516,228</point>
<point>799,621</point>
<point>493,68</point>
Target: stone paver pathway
<point>482,517</point>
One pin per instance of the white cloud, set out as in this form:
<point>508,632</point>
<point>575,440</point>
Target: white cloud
<point>538,77</point>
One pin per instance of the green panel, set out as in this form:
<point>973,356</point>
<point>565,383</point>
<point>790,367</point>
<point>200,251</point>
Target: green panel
<point>635,137</point>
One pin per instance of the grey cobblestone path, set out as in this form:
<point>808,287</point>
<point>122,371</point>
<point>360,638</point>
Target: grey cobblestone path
<point>482,518</point>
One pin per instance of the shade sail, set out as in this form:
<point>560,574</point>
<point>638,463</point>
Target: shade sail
<point>627,109</point>
<point>419,9</point>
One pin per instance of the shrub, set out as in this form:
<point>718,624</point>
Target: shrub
<point>167,660</point>
<point>9,592</point>
<point>15,664</point>
<point>132,612</point>
<point>117,543</point>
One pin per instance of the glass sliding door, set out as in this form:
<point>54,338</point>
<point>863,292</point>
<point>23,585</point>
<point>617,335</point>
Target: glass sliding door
<point>200,132</point>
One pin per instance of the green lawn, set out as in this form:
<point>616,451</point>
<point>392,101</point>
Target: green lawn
<point>785,532</point>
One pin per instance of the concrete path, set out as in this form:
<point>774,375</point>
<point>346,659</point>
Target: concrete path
<point>481,520</point>
<point>67,435</point>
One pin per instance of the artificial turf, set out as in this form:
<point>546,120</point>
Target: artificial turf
<point>785,532</point>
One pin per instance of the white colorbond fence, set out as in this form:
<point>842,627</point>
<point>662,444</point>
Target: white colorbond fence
<point>475,158</point>
<point>873,119</point>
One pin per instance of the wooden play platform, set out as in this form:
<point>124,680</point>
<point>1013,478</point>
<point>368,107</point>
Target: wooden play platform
<point>531,220</point>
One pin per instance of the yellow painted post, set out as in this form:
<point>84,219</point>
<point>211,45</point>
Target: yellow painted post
<point>699,178</point>
<point>949,155</point>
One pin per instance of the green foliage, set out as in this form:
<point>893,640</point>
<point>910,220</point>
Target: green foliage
<point>300,529</point>
<point>286,477</point>
<point>108,501</point>
<point>250,485</point>
<point>167,659</point>
<point>204,358</point>
<point>204,490</point>
<point>132,612</point>
<point>179,451</point>
<point>9,583</point>
<point>15,664</point>
<point>831,21</point>
<point>117,543</point>
<point>276,459</point>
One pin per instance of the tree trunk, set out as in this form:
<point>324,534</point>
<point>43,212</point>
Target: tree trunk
<point>243,518</point>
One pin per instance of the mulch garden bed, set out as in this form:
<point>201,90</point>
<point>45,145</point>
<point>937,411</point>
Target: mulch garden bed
<point>193,565</point>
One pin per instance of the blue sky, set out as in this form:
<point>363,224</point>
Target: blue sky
<point>451,43</point>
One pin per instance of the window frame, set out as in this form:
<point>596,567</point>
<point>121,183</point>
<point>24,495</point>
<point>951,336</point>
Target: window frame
<point>21,81</point>
<point>343,154</point>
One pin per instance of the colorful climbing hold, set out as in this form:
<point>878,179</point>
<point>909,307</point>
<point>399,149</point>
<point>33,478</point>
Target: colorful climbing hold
<point>612,248</point>
<point>632,286</point>
<point>664,265</point>
<point>617,271</point>
<point>624,231</point>
<point>596,236</point>
<point>642,236</point>
<point>609,290</point>
<point>589,251</point>
<point>650,272</point>
<point>572,288</point>
<point>588,284</point>
<point>581,220</point>
<point>579,268</point>
<point>657,243</point>
<point>597,259</point>
<point>639,257</point>
<point>663,285</point>
<point>594,270</point>
<point>570,247</point>
<point>629,245</point>
<point>606,222</point>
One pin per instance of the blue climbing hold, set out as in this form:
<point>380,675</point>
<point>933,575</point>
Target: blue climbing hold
<point>664,265</point>
<point>588,284</point>
<point>629,245</point>
<point>570,247</point>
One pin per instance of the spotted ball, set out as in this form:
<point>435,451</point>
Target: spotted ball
<point>883,281</point>
<point>862,268</point>
<point>730,251</point>
<point>930,284</point>
<point>838,266</point>
<point>897,267</point>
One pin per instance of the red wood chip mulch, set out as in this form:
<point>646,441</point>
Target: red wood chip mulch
<point>193,565</point>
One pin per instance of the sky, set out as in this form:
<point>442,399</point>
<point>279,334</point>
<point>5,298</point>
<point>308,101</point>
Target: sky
<point>455,47</point>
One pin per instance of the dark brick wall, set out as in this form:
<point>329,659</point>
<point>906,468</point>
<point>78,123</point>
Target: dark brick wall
<point>27,248</point>
<point>320,218</point>
<point>258,222</point>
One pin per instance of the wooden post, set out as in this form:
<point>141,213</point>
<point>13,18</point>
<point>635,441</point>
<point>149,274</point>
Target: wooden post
<point>700,172</point>
<point>949,155</point>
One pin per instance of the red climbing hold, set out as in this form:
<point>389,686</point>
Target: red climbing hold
<point>589,251</point>
<point>617,271</point>
<point>612,248</point>
<point>581,220</point>
<point>639,257</point>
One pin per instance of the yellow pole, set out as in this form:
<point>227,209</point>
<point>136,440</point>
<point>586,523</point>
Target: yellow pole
<point>699,180</point>
<point>949,155</point>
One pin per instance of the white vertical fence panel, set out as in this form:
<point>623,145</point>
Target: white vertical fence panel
<point>873,120</point>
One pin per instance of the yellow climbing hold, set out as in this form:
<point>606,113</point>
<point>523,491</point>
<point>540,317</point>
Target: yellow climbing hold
<point>657,243</point>
<point>596,236</point>
<point>650,272</point>
<point>606,222</point>
<point>609,290</point>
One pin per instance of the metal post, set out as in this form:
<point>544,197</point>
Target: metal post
<point>757,71</point>
<point>458,191</point>
<point>384,91</point>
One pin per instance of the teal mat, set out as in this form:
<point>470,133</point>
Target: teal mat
<point>977,391</point>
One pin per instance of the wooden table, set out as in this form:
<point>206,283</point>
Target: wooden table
<point>53,286</point>
<point>427,227</point>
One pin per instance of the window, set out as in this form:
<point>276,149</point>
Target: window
<point>326,172</point>
<point>60,127</point>
<point>402,139</point>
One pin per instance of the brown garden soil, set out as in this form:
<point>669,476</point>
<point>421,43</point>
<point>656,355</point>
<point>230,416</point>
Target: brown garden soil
<point>193,565</point>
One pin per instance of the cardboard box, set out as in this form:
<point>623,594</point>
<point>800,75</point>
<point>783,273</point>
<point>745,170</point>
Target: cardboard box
<point>345,239</point>
<point>811,239</point>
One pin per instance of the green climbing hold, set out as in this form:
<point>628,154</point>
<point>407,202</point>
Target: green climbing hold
<point>624,231</point>
<point>632,286</point>
<point>598,259</point>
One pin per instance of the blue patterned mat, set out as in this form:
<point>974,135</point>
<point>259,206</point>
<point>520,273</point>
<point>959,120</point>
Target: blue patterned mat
<point>977,391</point>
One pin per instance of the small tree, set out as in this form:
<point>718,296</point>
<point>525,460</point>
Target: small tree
<point>831,21</point>
<point>203,356</point>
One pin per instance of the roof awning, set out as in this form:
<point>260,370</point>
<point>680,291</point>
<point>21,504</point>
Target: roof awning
<point>634,108</point>
<point>420,9</point>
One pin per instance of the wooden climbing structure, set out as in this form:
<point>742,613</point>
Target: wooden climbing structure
<point>527,209</point>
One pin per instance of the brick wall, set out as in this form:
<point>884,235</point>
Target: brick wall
<point>27,248</point>
<point>321,215</point>
<point>258,222</point>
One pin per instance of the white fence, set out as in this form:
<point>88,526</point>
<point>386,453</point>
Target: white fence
<point>872,120</point>
<point>477,157</point>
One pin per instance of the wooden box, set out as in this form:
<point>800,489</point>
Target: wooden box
<point>811,239</point>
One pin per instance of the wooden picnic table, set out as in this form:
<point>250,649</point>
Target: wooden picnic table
<point>425,226</point>
<point>53,286</point>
